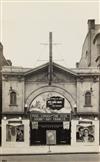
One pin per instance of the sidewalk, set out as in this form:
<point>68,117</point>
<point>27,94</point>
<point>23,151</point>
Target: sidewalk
<point>49,150</point>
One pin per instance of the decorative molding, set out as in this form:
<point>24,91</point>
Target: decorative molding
<point>5,77</point>
<point>95,78</point>
<point>56,89</point>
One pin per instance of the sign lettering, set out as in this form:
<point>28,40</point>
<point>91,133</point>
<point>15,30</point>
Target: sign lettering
<point>50,117</point>
<point>55,102</point>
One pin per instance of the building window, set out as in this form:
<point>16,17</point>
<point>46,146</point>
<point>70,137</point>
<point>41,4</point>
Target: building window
<point>13,98</point>
<point>88,99</point>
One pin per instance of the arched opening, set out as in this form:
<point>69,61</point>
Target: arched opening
<point>68,96</point>
<point>96,37</point>
<point>12,98</point>
<point>88,98</point>
<point>96,42</point>
<point>50,110</point>
<point>50,102</point>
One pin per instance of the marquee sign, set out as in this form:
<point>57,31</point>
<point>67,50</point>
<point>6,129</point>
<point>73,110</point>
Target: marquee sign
<point>55,102</point>
<point>50,117</point>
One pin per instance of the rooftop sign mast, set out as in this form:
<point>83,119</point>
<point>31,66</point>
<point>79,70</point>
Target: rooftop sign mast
<point>50,68</point>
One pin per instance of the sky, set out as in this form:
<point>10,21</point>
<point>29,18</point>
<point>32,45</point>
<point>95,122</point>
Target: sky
<point>25,26</point>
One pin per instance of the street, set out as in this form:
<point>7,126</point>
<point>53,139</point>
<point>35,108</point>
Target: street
<point>52,158</point>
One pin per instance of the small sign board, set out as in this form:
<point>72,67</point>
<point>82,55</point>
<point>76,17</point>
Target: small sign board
<point>55,102</point>
<point>66,124</point>
<point>50,117</point>
<point>34,125</point>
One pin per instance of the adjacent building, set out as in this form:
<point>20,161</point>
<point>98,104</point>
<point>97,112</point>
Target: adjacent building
<point>51,104</point>
<point>3,62</point>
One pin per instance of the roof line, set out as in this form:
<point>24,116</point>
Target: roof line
<point>46,64</point>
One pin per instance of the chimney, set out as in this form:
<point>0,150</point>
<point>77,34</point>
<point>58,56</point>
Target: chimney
<point>91,24</point>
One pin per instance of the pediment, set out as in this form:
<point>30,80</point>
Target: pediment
<point>60,74</point>
<point>37,74</point>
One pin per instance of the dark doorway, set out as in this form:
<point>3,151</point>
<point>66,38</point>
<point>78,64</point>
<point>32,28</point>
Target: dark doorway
<point>63,136</point>
<point>39,136</point>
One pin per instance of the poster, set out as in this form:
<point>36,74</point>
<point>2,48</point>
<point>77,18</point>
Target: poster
<point>15,133</point>
<point>85,133</point>
<point>51,137</point>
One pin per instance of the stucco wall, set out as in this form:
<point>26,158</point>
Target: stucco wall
<point>82,87</point>
<point>18,87</point>
<point>70,87</point>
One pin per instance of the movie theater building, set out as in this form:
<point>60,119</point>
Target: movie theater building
<point>51,105</point>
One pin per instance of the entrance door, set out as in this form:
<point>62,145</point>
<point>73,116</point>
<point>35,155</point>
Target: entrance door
<point>51,137</point>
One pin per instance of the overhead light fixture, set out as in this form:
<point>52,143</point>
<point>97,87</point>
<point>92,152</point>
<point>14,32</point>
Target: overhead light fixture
<point>5,118</point>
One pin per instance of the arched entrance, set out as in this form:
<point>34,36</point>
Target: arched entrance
<point>56,89</point>
<point>50,110</point>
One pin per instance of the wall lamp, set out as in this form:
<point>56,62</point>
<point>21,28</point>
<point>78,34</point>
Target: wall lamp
<point>75,109</point>
<point>25,108</point>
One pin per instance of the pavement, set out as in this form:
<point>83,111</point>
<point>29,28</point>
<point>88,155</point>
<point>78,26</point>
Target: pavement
<point>52,158</point>
<point>48,150</point>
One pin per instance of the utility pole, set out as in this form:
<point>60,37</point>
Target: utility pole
<point>50,68</point>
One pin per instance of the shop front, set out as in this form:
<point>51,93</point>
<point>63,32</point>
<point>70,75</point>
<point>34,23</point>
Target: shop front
<point>50,125</point>
<point>50,120</point>
<point>50,129</point>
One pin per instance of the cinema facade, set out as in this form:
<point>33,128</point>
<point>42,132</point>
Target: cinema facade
<point>52,105</point>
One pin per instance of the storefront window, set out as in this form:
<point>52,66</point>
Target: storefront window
<point>15,133</point>
<point>85,133</point>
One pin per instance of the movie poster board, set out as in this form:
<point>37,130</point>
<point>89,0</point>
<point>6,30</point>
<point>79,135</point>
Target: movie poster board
<point>85,132</point>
